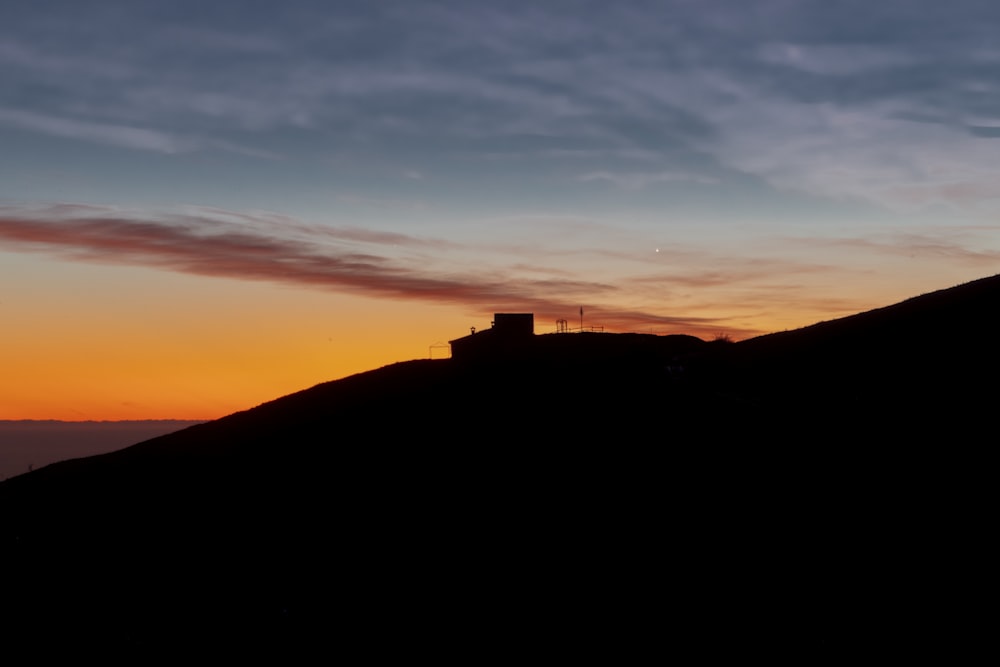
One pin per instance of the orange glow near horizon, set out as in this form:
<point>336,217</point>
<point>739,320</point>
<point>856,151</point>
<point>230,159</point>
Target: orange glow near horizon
<point>213,378</point>
<point>169,346</point>
<point>85,341</point>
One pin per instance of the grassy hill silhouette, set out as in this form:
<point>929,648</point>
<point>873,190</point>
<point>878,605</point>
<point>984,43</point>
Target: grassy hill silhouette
<point>794,496</point>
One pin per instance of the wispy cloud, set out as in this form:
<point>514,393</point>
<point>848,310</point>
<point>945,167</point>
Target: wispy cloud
<point>115,135</point>
<point>122,136</point>
<point>262,248</point>
<point>640,180</point>
<point>961,247</point>
<point>40,63</point>
<point>289,227</point>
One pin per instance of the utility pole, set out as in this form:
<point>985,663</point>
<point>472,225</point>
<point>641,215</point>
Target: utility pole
<point>581,319</point>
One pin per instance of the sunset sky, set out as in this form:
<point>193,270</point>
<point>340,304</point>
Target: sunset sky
<point>207,205</point>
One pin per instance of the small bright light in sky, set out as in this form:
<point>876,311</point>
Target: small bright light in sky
<point>193,199</point>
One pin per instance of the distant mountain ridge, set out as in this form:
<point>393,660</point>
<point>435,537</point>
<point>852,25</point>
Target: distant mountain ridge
<point>34,443</point>
<point>606,495</point>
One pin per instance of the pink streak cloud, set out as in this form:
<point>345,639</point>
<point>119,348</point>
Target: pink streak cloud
<point>261,248</point>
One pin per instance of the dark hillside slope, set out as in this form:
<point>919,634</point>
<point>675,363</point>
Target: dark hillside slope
<point>427,497</point>
<point>923,367</point>
<point>601,495</point>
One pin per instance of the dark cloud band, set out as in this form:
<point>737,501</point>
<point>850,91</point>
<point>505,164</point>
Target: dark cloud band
<point>261,249</point>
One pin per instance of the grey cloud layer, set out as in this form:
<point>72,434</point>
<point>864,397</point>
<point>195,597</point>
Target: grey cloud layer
<point>847,98</point>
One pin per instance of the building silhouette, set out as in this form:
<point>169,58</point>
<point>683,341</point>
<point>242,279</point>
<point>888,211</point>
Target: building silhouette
<point>511,334</point>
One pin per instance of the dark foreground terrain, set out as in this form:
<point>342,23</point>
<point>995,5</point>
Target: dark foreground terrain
<point>813,496</point>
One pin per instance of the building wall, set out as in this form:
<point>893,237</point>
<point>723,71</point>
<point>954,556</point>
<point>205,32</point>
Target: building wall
<point>510,334</point>
<point>514,323</point>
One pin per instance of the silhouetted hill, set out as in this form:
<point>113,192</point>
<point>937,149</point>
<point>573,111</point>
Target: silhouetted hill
<point>603,495</point>
<point>930,352</point>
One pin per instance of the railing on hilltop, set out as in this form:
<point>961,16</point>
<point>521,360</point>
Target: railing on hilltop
<point>562,327</point>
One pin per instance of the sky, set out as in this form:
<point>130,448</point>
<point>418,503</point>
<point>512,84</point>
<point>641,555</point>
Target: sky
<point>204,206</point>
